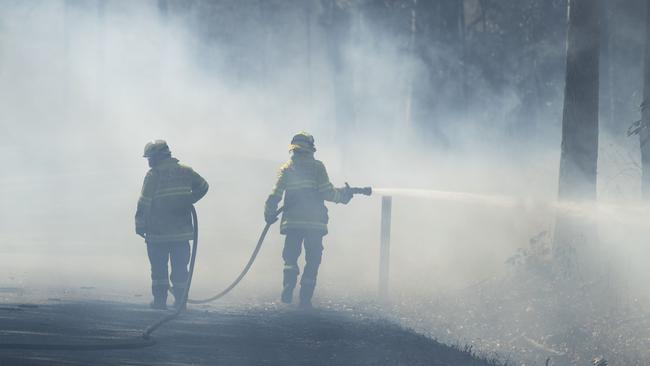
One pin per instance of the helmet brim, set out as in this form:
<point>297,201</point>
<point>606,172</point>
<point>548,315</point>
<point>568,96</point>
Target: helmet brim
<point>296,147</point>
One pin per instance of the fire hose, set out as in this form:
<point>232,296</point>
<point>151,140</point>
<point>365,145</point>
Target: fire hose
<point>147,333</point>
<point>145,339</point>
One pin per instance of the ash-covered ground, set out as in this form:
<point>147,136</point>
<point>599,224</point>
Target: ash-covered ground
<point>528,317</point>
<point>221,334</point>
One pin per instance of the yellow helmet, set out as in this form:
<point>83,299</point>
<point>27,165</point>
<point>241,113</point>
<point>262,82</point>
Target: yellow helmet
<point>302,141</point>
<point>156,148</point>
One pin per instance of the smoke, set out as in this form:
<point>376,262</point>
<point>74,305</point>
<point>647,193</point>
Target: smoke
<point>83,87</point>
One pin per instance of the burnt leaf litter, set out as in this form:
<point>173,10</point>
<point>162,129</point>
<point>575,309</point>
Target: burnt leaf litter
<point>257,335</point>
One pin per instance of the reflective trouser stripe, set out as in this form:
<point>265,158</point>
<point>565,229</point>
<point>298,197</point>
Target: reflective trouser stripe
<point>169,237</point>
<point>303,224</point>
<point>163,282</point>
<point>291,268</point>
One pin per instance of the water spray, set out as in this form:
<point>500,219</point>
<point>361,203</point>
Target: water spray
<point>621,213</point>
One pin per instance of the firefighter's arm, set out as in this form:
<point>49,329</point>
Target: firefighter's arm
<point>144,205</point>
<point>199,187</point>
<point>271,205</point>
<point>327,190</point>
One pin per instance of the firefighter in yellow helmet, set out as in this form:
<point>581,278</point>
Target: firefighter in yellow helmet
<point>305,185</point>
<point>164,220</point>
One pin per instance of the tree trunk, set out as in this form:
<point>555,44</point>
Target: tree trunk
<point>575,240</point>
<point>163,8</point>
<point>644,134</point>
<point>579,154</point>
<point>464,87</point>
<point>409,73</point>
<point>100,73</point>
<point>309,10</point>
<point>606,91</point>
<point>336,19</point>
<point>67,25</point>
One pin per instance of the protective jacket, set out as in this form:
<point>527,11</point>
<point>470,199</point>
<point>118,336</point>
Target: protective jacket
<point>168,192</point>
<point>304,182</point>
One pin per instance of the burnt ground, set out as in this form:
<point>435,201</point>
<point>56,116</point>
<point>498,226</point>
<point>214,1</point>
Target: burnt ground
<point>262,335</point>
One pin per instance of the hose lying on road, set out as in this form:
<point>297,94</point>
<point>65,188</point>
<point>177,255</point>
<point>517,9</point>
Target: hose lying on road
<point>243,272</point>
<point>195,244</point>
<point>145,340</point>
<point>138,342</point>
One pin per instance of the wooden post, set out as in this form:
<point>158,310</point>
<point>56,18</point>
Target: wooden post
<point>384,248</point>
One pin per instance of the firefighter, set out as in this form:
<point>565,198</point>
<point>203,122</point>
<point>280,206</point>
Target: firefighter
<point>304,182</point>
<point>163,219</point>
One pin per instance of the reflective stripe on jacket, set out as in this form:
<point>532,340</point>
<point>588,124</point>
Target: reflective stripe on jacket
<point>304,183</point>
<point>168,192</point>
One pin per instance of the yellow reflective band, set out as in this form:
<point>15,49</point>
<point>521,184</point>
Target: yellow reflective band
<point>325,188</point>
<point>300,185</point>
<point>170,194</point>
<point>170,237</point>
<point>174,189</point>
<point>303,181</point>
<point>304,223</point>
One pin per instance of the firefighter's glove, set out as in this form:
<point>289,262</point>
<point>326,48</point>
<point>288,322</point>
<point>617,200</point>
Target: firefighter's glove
<point>346,194</point>
<point>270,218</point>
<point>140,232</point>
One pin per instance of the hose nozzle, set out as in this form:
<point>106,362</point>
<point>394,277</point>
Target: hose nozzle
<point>366,191</point>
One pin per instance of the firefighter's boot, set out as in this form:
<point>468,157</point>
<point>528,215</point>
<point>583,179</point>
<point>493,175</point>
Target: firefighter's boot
<point>159,297</point>
<point>179,301</point>
<point>307,287</point>
<point>289,283</point>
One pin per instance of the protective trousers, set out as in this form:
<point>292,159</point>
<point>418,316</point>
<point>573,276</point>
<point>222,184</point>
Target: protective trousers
<point>313,242</point>
<point>178,253</point>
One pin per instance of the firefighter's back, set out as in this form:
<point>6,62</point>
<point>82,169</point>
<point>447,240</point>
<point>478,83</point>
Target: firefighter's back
<point>170,218</point>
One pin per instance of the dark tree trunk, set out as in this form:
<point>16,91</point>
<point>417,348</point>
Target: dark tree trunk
<point>579,154</point>
<point>606,100</point>
<point>309,10</point>
<point>451,28</point>
<point>336,19</point>
<point>645,112</point>
<point>438,44</point>
<point>575,237</point>
<point>163,8</point>
<point>408,107</point>
<point>100,79</point>
<point>67,25</point>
